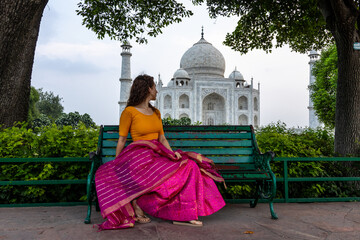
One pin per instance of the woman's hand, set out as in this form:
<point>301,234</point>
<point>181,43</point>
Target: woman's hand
<point>178,155</point>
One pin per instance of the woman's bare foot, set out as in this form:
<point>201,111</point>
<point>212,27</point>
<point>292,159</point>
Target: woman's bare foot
<point>192,223</point>
<point>140,217</point>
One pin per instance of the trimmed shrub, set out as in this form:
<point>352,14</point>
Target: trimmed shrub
<point>49,141</point>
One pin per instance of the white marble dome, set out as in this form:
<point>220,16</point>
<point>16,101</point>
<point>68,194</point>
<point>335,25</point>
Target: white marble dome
<point>170,83</point>
<point>203,59</point>
<point>181,73</point>
<point>236,75</point>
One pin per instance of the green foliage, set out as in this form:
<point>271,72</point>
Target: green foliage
<point>73,119</point>
<point>34,98</point>
<point>239,191</point>
<point>285,142</point>
<point>185,121</point>
<point>122,20</point>
<point>323,93</point>
<point>49,104</point>
<point>50,141</point>
<point>297,23</point>
<point>41,121</point>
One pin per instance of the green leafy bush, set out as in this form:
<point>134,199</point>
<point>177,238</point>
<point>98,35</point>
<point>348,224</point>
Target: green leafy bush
<point>49,141</point>
<point>290,142</point>
<point>73,119</point>
<point>185,121</point>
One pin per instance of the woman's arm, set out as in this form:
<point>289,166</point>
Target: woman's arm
<point>165,142</point>
<point>120,145</point>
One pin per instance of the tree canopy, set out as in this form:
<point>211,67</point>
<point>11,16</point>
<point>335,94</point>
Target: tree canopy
<point>302,24</point>
<point>259,24</point>
<point>49,104</point>
<point>123,20</point>
<point>298,23</point>
<point>324,88</point>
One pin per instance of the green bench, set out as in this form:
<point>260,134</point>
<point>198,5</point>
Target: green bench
<point>233,149</point>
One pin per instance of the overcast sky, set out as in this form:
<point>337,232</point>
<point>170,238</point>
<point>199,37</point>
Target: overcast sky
<point>71,62</point>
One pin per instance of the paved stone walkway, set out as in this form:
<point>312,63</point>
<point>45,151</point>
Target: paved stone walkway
<point>236,221</point>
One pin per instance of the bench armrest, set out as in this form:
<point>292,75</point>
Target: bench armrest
<point>92,156</point>
<point>95,163</point>
<point>262,160</point>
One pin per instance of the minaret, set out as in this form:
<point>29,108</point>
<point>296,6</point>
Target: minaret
<point>313,120</point>
<point>251,103</point>
<point>258,103</point>
<point>158,87</point>
<point>125,79</point>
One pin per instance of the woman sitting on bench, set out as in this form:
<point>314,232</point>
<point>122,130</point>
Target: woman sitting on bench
<point>148,176</point>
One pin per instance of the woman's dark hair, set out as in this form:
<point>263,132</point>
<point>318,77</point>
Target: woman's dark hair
<point>140,90</point>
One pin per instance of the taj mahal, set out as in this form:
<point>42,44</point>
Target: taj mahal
<point>198,89</point>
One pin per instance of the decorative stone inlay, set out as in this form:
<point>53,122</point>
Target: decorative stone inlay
<point>207,91</point>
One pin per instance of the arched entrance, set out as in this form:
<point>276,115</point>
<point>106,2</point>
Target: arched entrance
<point>213,110</point>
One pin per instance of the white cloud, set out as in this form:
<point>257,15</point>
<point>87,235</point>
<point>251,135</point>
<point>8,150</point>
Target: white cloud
<point>100,53</point>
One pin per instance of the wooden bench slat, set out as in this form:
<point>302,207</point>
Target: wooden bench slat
<point>194,143</point>
<point>207,135</point>
<point>216,159</point>
<point>194,135</point>
<point>220,151</point>
<point>205,128</point>
<point>245,175</point>
<point>214,143</point>
<point>232,159</point>
<point>204,151</point>
<point>111,143</point>
<point>107,159</point>
<point>235,167</point>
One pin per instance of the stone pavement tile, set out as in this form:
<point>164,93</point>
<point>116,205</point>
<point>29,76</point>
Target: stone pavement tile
<point>344,236</point>
<point>328,221</point>
<point>331,217</point>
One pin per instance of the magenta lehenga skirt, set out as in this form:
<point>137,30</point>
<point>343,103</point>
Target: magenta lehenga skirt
<point>179,190</point>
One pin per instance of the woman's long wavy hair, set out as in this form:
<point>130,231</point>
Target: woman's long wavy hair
<point>140,90</point>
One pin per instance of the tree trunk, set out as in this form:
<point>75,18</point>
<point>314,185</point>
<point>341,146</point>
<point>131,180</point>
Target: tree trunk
<point>347,115</point>
<point>20,23</point>
<point>341,18</point>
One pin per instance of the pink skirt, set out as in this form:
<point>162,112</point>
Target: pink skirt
<point>184,196</point>
<point>167,188</point>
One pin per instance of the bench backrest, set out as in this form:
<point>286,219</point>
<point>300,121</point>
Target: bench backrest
<point>226,145</point>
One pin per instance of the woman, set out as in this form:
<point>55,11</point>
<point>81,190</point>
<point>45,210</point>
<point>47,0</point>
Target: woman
<point>147,175</point>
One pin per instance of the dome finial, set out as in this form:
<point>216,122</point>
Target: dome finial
<point>202,32</point>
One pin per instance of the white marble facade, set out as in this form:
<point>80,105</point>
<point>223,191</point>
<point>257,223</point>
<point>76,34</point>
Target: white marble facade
<point>200,91</point>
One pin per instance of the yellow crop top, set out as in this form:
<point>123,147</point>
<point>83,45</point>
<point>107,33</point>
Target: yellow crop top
<point>141,126</point>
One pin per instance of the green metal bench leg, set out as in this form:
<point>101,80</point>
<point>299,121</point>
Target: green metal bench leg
<point>273,214</point>
<point>89,198</point>
<point>89,189</point>
<point>97,205</point>
<point>87,219</point>
<point>254,202</point>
